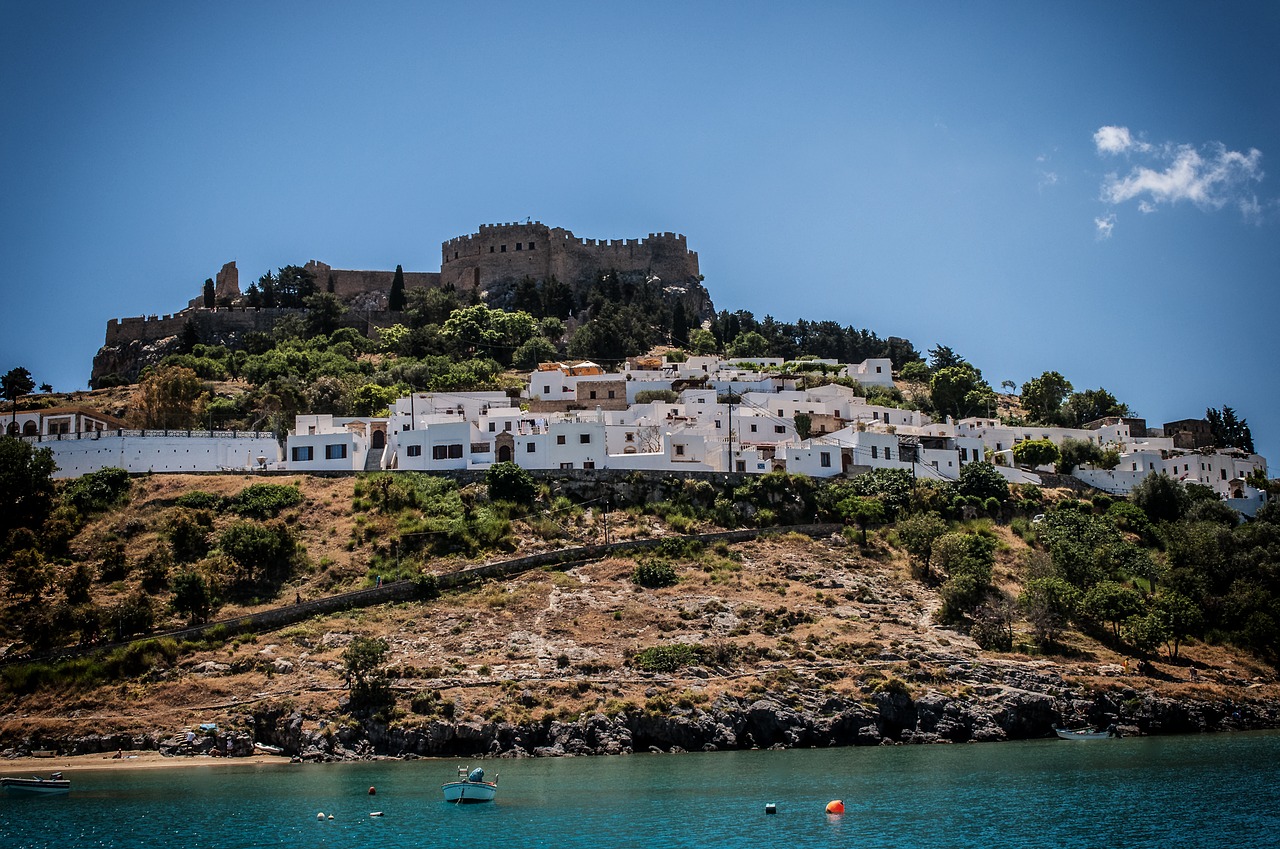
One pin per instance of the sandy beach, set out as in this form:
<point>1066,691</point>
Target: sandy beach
<point>24,767</point>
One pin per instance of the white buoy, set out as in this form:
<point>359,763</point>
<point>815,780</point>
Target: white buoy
<point>320,815</point>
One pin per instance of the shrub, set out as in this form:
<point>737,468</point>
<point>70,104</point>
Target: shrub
<point>264,500</point>
<point>666,658</point>
<point>97,491</point>
<point>509,482</point>
<point>264,552</point>
<point>199,500</point>
<point>654,574</point>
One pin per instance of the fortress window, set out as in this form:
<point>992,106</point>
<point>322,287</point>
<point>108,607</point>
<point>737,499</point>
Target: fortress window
<point>455,254</point>
<point>518,246</point>
<point>504,249</point>
<point>491,249</point>
<point>531,246</point>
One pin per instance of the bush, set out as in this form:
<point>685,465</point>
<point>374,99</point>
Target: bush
<point>509,482</point>
<point>264,552</point>
<point>97,491</point>
<point>982,481</point>
<point>199,500</point>
<point>668,658</point>
<point>264,500</point>
<point>654,574</point>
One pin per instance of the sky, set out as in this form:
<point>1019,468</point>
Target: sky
<point>1086,187</point>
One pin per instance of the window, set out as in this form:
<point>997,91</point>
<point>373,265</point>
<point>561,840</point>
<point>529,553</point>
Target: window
<point>530,447</point>
<point>531,246</point>
<point>779,428</point>
<point>335,452</point>
<point>886,453</point>
<point>301,454</point>
<point>455,452</point>
<point>1224,474</point>
<point>610,393</point>
<point>781,413</point>
<point>740,466</point>
<point>679,450</point>
<point>493,426</point>
<point>587,464</point>
<point>717,424</point>
<point>490,251</point>
<point>413,451</point>
<point>504,249</point>
<point>879,369</point>
<point>875,414</point>
<point>518,245</point>
<point>506,426</point>
<point>824,459</point>
<point>560,439</point>
<point>630,437</point>
<point>753,428</point>
<point>566,465</point>
<point>964,454</point>
<point>875,452</point>
<point>593,395</point>
<point>584,438</point>
<point>439,452</point>
<point>546,389</point>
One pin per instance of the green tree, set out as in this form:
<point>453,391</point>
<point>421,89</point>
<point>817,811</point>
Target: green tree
<point>917,534</point>
<point>15,383</point>
<point>493,333</point>
<point>1036,452</point>
<point>1113,602</point>
<point>914,372</point>
<point>749,344</point>
<point>862,511</point>
<point>293,285</point>
<point>968,560</point>
<point>265,552</point>
<point>804,425</point>
<point>168,398</point>
<point>1228,431</point>
<point>363,660</point>
<point>1077,452</point>
<point>942,356</point>
<point>1091,405</point>
<point>1161,497</point>
<point>1179,617</point>
<point>1049,603</point>
<point>982,480</point>
<point>324,313</point>
<point>192,595</point>
<point>370,398</point>
<point>396,300</point>
<point>26,486</point>
<point>534,351</point>
<point>701,342</point>
<point>959,390</point>
<point>208,293</point>
<point>1042,396</point>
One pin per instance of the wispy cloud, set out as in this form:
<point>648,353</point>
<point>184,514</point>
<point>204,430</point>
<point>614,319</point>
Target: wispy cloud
<point>1103,226</point>
<point>1210,177</point>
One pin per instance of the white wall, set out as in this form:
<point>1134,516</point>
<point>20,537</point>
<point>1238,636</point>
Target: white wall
<point>140,454</point>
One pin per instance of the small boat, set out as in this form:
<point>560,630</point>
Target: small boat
<point>264,749</point>
<point>52,786</point>
<point>472,788</point>
<point>1087,733</point>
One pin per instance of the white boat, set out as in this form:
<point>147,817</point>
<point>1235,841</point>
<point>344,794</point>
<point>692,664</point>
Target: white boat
<point>472,788</point>
<point>52,786</point>
<point>263,748</point>
<point>1086,733</point>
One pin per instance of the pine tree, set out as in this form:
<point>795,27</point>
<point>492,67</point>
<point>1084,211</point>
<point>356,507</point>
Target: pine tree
<point>208,293</point>
<point>395,302</point>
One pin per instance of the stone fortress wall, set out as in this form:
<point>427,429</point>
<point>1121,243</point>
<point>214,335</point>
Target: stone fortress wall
<point>505,252</point>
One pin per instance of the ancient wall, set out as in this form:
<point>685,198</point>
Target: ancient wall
<point>348,284</point>
<point>505,252</point>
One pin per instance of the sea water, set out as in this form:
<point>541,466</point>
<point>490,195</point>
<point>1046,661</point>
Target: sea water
<point>1204,791</point>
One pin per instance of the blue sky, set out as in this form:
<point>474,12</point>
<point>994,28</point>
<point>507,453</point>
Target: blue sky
<point>1086,187</point>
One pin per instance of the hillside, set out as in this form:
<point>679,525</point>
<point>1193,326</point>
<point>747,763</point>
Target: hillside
<point>793,641</point>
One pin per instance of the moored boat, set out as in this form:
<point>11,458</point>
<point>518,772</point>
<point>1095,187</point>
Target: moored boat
<point>1087,733</point>
<point>472,788</point>
<point>52,786</point>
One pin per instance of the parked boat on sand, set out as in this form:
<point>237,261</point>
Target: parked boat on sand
<point>1087,733</point>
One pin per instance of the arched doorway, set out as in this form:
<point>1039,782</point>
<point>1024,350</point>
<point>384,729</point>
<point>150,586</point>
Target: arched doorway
<point>504,453</point>
<point>379,440</point>
<point>30,429</point>
<point>12,429</point>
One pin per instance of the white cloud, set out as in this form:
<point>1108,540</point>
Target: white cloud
<point>1104,225</point>
<point>1114,140</point>
<point>1210,177</point>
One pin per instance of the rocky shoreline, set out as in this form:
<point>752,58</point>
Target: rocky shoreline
<point>1002,703</point>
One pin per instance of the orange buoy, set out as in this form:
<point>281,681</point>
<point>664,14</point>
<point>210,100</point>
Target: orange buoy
<point>373,791</point>
<point>835,806</point>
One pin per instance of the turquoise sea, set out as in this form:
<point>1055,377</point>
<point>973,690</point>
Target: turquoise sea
<point>1205,791</point>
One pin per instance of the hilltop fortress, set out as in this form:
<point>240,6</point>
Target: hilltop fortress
<point>490,262</point>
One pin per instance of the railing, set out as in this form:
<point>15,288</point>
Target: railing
<point>120,432</point>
